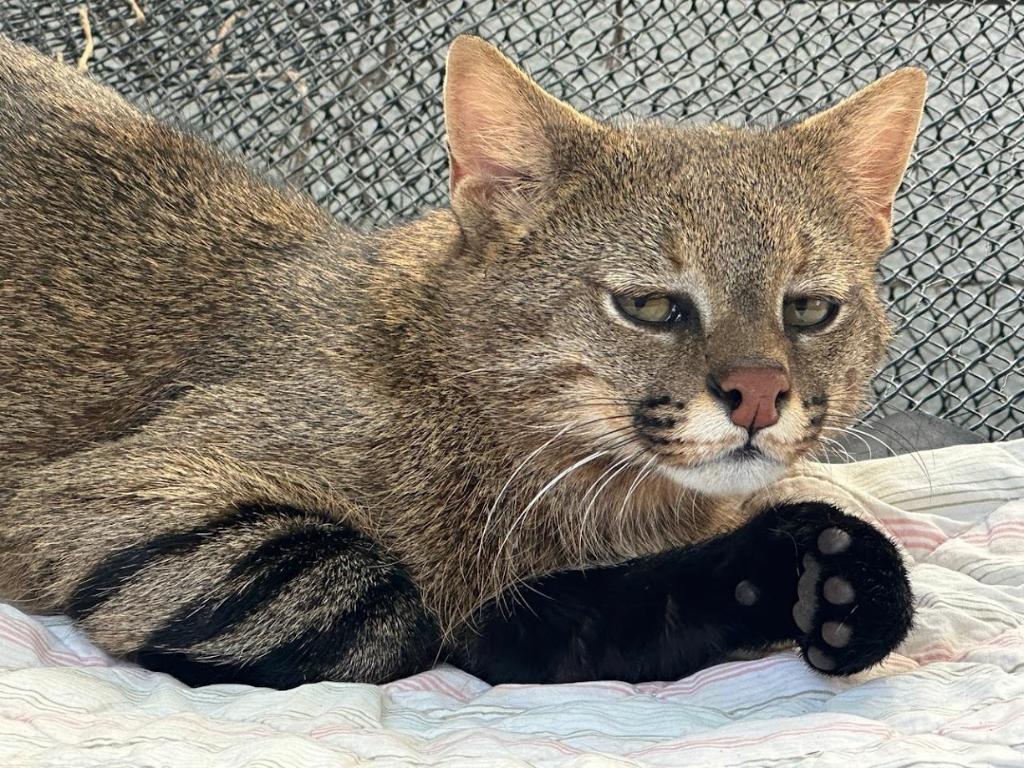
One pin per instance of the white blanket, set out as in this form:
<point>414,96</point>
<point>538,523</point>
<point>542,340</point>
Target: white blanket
<point>952,696</point>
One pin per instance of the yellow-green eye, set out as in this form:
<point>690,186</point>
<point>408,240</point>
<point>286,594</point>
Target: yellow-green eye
<point>653,308</point>
<point>805,312</point>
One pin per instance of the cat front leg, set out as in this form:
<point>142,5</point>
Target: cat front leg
<point>189,563</point>
<point>804,573</point>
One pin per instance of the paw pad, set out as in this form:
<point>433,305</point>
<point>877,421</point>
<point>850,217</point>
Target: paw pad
<point>820,660</point>
<point>747,593</point>
<point>836,634</point>
<point>832,541</point>
<point>836,590</point>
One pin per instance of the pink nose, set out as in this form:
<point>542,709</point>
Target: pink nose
<point>753,395</point>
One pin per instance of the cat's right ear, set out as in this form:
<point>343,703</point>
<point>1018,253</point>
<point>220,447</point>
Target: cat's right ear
<point>507,137</point>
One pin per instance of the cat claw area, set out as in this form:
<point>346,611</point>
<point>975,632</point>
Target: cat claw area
<point>853,604</point>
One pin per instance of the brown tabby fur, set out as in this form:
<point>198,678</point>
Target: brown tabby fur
<point>178,337</point>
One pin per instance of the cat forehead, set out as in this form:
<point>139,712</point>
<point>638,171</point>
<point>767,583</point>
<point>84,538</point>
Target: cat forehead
<point>712,192</point>
<point>755,252</point>
<point>712,174</point>
<point>684,149</point>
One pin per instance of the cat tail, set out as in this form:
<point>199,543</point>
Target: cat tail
<point>266,595</point>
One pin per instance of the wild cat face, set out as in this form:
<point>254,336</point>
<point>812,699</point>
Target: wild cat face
<point>697,300</point>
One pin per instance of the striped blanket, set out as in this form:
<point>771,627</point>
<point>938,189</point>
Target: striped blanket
<point>952,696</point>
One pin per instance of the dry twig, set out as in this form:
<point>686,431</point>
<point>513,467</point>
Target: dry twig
<point>83,16</point>
<point>140,17</point>
<point>223,32</point>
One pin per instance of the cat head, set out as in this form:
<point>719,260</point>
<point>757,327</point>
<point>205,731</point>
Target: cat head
<point>702,300</point>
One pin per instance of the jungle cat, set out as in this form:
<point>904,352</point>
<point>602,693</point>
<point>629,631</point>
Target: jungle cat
<point>240,442</point>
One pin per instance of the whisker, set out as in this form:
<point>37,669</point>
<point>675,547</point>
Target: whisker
<point>540,494</point>
<point>504,488</point>
<point>865,436</point>
<point>613,470</point>
<point>836,443</point>
<point>599,419</point>
<point>910,451</point>
<point>612,401</point>
<point>640,476</point>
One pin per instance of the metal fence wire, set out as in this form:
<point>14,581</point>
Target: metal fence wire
<point>343,98</point>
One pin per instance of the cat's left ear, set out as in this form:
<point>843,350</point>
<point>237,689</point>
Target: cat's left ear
<point>868,138</point>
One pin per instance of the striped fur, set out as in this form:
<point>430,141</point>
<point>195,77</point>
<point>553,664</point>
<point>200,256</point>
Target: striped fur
<point>297,597</point>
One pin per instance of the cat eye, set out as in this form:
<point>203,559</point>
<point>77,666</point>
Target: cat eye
<point>652,309</point>
<point>808,312</point>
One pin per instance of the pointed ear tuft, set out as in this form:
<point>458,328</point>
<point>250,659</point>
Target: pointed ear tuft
<point>869,137</point>
<point>503,129</point>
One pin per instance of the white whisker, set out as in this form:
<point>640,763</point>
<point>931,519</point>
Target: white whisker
<point>508,483</point>
<point>615,469</point>
<point>540,494</point>
<point>641,475</point>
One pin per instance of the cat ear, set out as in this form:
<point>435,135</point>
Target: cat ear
<point>506,135</point>
<point>869,137</point>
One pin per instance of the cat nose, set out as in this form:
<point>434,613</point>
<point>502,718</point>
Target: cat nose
<point>752,395</point>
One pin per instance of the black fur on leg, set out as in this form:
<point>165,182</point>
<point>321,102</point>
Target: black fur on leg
<point>665,616</point>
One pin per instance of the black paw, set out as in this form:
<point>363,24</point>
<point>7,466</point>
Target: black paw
<point>853,603</point>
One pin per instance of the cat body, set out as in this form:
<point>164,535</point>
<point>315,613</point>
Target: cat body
<point>242,442</point>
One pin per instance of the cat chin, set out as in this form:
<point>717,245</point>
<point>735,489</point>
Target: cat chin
<point>728,477</point>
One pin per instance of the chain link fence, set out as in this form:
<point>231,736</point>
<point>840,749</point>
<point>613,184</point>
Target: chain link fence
<point>343,98</point>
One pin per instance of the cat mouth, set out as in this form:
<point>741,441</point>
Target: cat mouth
<point>746,452</point>
<point>739,454</point>
<point>746,456</point>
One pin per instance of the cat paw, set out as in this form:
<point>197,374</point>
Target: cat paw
<point>853,603</point>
